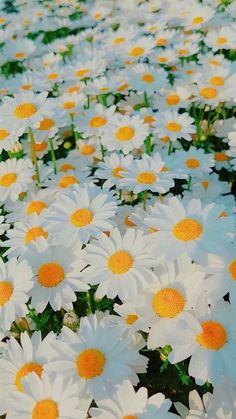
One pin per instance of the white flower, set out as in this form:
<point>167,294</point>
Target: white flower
<point>15,176</point>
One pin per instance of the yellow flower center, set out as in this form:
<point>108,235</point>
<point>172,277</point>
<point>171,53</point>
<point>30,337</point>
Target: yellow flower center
<point>125,133</point>
<point>120,262</point>
<point>34,233</point>
<point>205,184</point>
<point>24,371</point>
<point>20,55</point>
<point>50,274</point>
<point>149,119</point>
<point>130,417</point>
<point>213,336</point>
<point>123,87</point>
<point>208,92</point>
<point>146,178</point>
<point>7,180</point>
<point>128,222</point>
<point>196,20</point>
<point>214,62</point>
<point>118,40</point>
<point>66,181</point>
<point>148,78</point>
<point>87,149</point>
<point>173,126</point>
<point>26,86</point>
<point>217,81</point>
<point>6,291</point>
<point>131,319</point>
<point>82,72</point>
<point>69,105</point>
<point>45,409</point>
<point>97,121</point>
<point>25,110</point>
<point>73,89</point>
<point>66,166</point>
<point>221,40</point>
<point>232,269</point>
<point>183,52</point>
<point>221,156</point>
<point>187,229</point>
<point>81,217</point>
<point>165,139</point>
<point>53,76</point>
<point>36,207</point>
<point>162,59</point>
<point>136,51</point>
<point>168,302</point>
<point>40,146</point>
<point>90,363</point>
<point>173,100</point>
<point>161,41</point>
<point>192,163</point>
<point>46,124</point>
<point>116,172</point>
<point>3,134</point>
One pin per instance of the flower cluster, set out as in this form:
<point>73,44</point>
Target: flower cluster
<point>117,184</point>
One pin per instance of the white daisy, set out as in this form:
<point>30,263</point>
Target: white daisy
<point>15,176</point>
<point>174,125</point>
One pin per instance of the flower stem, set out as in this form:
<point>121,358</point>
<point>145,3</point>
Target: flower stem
<point>54,161</point>
<point>33,154</point>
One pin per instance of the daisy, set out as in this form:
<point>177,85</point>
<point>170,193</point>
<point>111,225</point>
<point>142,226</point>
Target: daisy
<point>174,98</point>
<point>174,125</point>
<point>145,78</point>
<point>15,285</point>
<point>125,133</point>
<point>138,49</point>
<point>98,357</point>
<point>65,180</point>
<point>223,38</point>
<point>15,176</point>
<point>120,265</point>
<point>56,276</point>
<point>194,162</point>
<point>84,212</point>
<point>95,119</point>
<point>8,137</point>
<point>49,397</point>
<point>127,403</point>
<point>188,227</point>
<point>36,202</point>
<point>113,168</point>
<point>146,173</point>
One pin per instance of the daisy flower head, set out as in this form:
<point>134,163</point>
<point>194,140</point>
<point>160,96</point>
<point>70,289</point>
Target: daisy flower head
<point>15,178</point>
<point>137,50</point>
<point>194,162</point>
<point>129,404</point>
<point>65,180</point>
<point>15,286</point>
<point>221,38</point>
<point>125,134</point>
<point>98,357</point>
<point>8,137</point>
<point>94,120</point>
<point>48,397</point>
<point>174,125</point>
<point>84,212</point>
<point>119,264</point>
<point>112,169</point>
<point>189,227</point>
<point>147,79</point>
<point>56,276</point>
<point>146,173</point>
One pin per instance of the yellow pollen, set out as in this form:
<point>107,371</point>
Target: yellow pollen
<point>34,233</point>
<point>208,92</point>
<point>45,409</point>
<point>125,133</point>
<point>165,139</point>
<point>189,72</point>
<point>8,179</point>
<point>81,217</point>
<point>217,81</point>
<point>116,172</point>
<point>36,207</point>
<point>148,78</point>
<point>82,72</point>
<point>173,100</point>
<point>162,59</point>
<point>66,166</point>
<point>213,336</point>
<point>2,20</point>
<point>97,16</point>
<point>205,184</point>
<point>149,119</point>
<point>232,269</point>
<point>69,105</point>
<point>146,178</point>
<point>73,89</point>
<point>118,40</point>
<point>6,291</point>
<point>40,146</point>
<point>131,319</point>
<point>123,87</point>
<point>53,76</point>
<point>187,229</point>
<point>214,62</point>
<point>168,302</point>
<point>197,20</point>
<point>26,86</point>
<point>192,163</point>
<point>20,55</point>
<point>221,156</point>
<point>50,274</point>
<point>90,363</point>
<point>104,89</point>
<point>87,150</point>
<point>24,371</point>
<point>221,40</point>
<point>173,126</point>
<point>161,41</point>
<point>25,110</point>
<point>67,181</point>
<point>120,262</point>
<point>46,124</point>
<point>130,417</point>
<point>3,134</point>
<point>183,52</point>
<point>97,121</point>
<point>136,51</point>
<point>129,222</point>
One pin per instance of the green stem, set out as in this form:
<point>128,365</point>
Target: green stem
<point>170,148</point>
<point>33,154</point>
<point>145,200</point>
<point>148,145</point>
<point>189,183</point>
<point>54,160</point>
